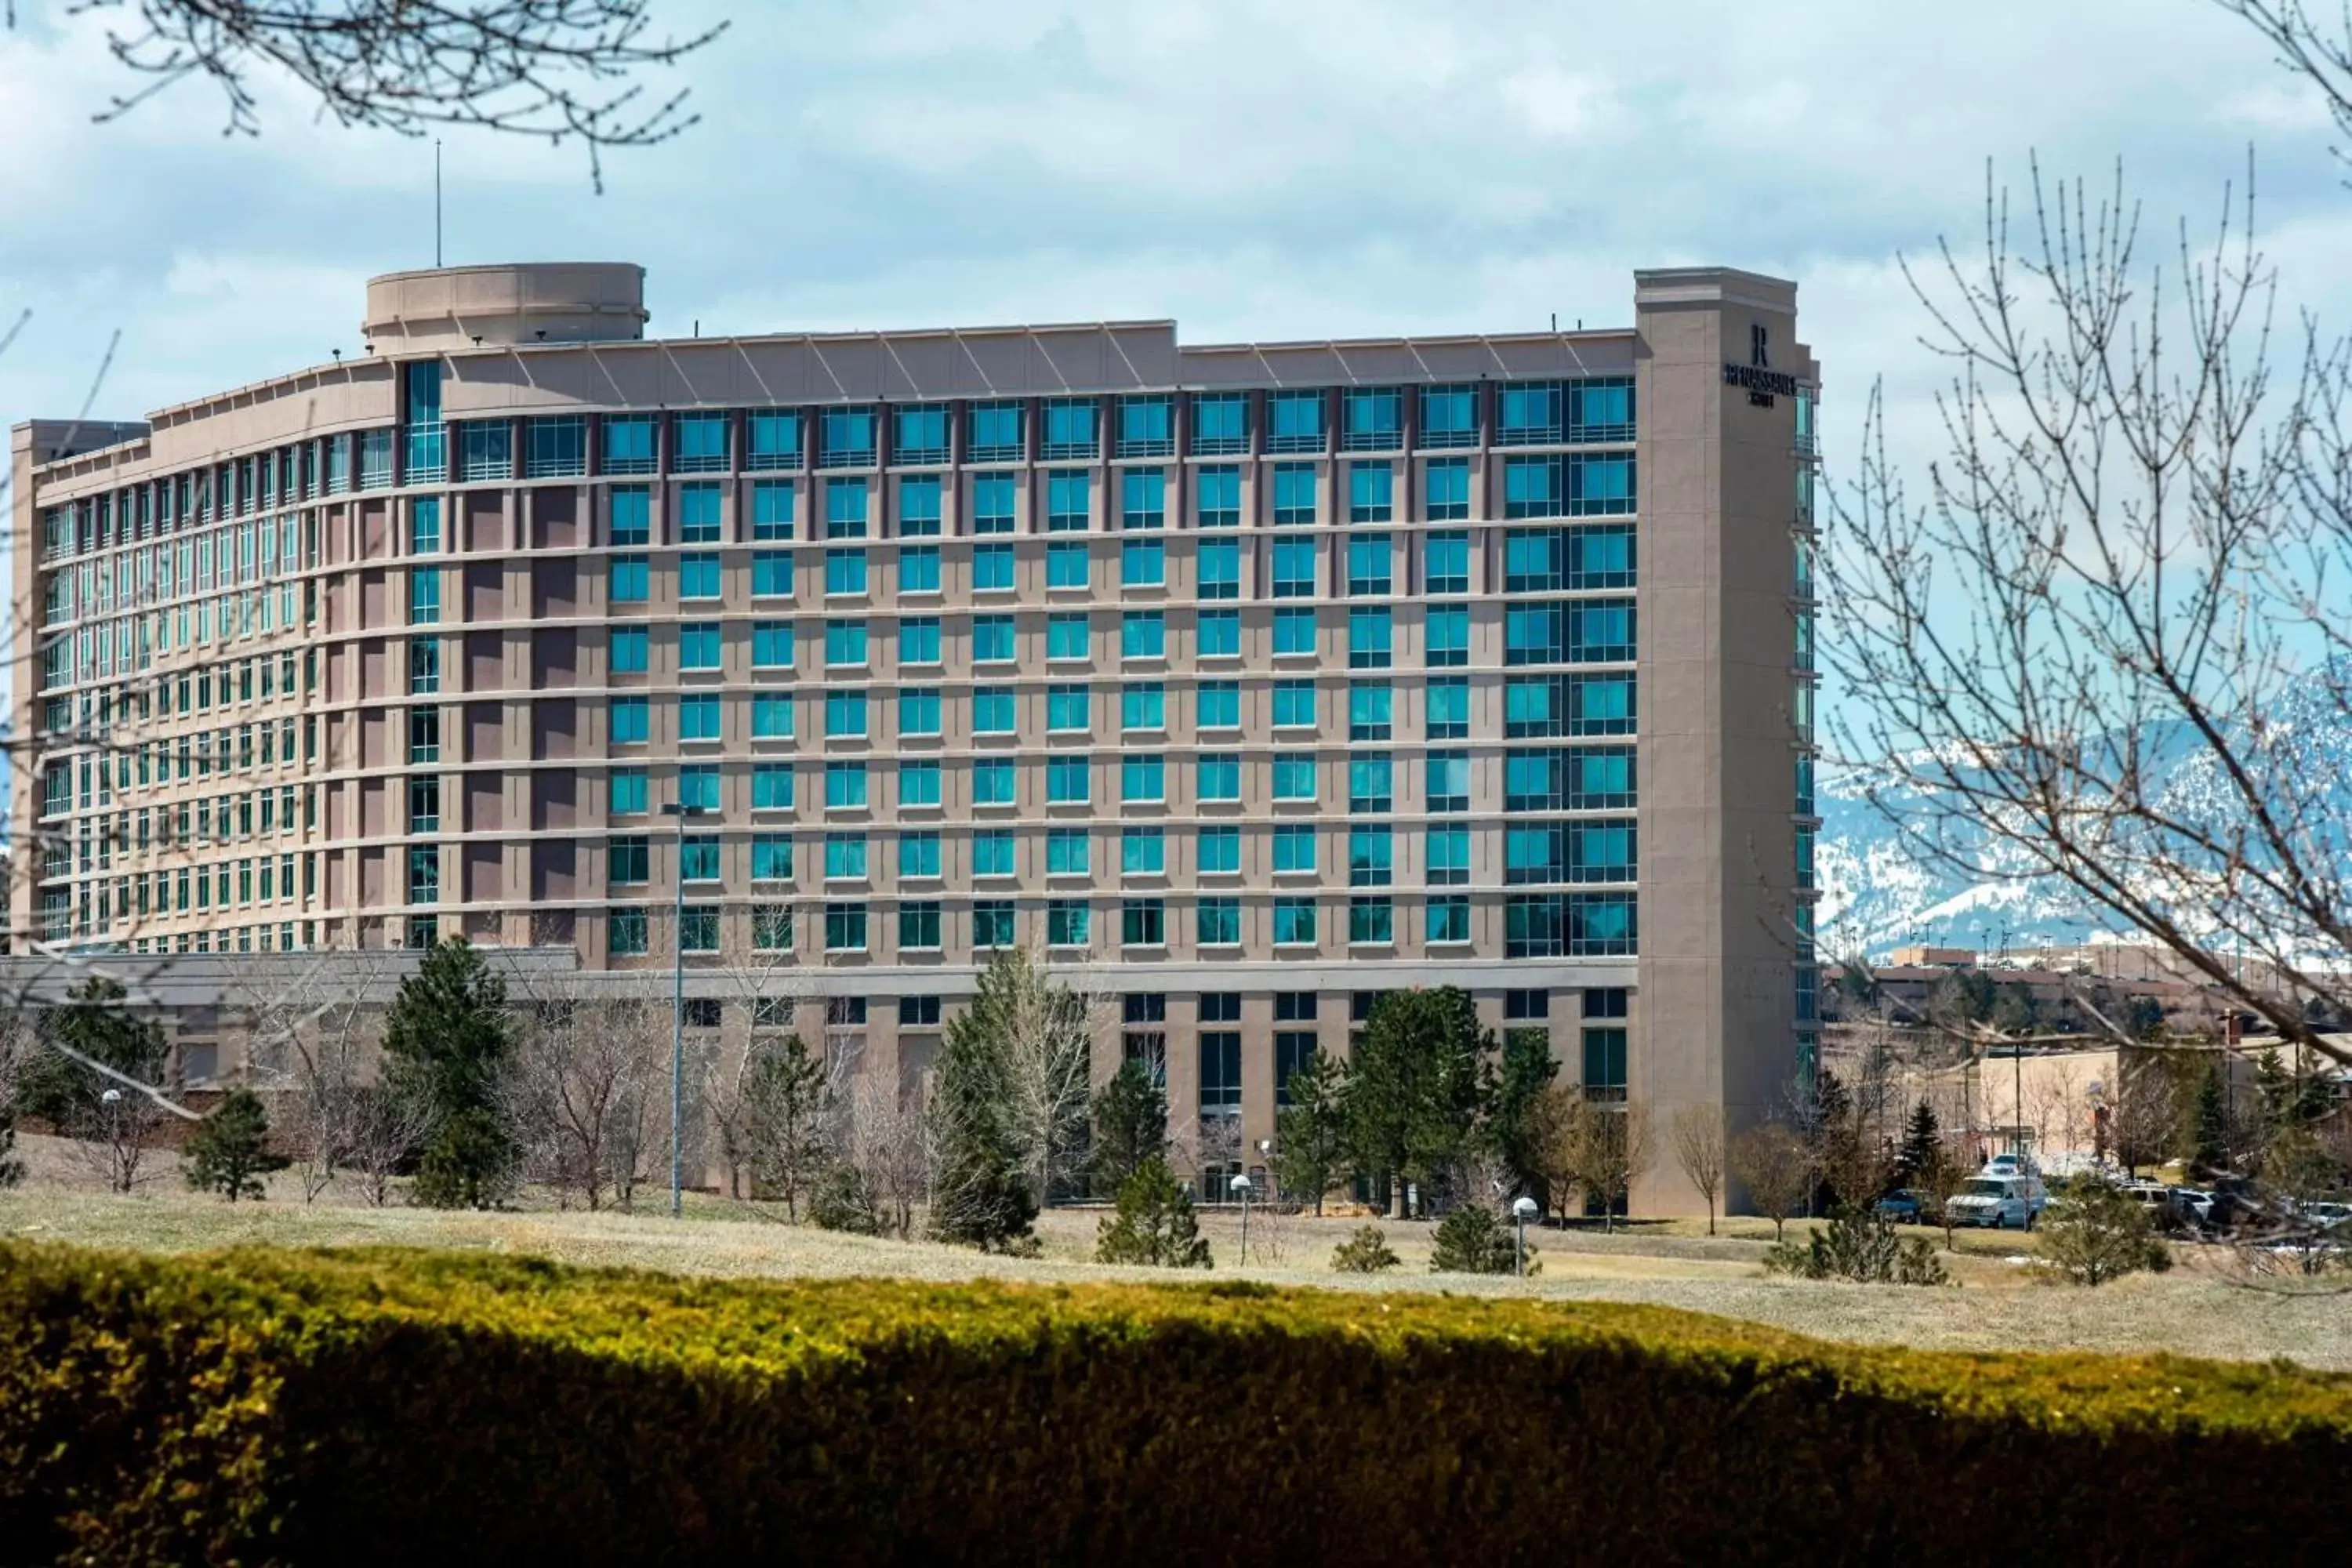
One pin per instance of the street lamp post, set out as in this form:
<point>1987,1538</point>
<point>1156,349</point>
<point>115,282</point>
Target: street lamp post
<point>681,811</point>
<point>1523,1209</point>
<point>1242,1186</point>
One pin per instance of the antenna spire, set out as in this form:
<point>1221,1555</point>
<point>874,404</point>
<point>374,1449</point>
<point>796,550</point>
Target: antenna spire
<point>436,201</point>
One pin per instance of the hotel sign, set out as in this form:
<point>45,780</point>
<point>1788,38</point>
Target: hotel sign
<point>1758,377</point>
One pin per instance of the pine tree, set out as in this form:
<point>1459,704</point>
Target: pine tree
<point>1474,1240</point>
<point>1512,1126</point>
<point>1310,1133</point>
<point>1130,1123</point>
<point>1923,1146</point>
<point>1153,1225</point>
<point>229,1152</point>
<point>2210,1127</point>
<point>1415,1084</point>
<point>447,1042</point>
<point>979,1196</point>
<point>785,1097</point>
<point>73,1099</point>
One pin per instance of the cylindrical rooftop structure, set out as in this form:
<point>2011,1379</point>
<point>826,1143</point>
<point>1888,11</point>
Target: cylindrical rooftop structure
<point>445,308</point>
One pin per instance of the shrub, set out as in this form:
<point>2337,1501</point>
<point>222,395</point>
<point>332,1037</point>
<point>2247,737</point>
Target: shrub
<point>1858,1244</point>
<point>1474,1239</point>
<point>844,1199</point>
<point>1154,1224</point>
<point>397,1405</point>
<point>2095,1233</point>
<point>229,1152</point>
<point>470,1162</point>
<point>1366,1252</point>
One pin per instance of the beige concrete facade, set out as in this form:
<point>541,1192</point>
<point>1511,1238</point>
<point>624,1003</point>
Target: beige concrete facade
<point>1202,668</point>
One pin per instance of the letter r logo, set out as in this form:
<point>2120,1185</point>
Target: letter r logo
<point>1759,353</point>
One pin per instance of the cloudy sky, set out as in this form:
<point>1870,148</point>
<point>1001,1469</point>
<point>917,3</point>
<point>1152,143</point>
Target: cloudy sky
<point>1293,169</point>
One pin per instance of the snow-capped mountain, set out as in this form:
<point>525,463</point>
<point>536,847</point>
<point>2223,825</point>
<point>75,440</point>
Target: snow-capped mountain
<point>1877,893</point>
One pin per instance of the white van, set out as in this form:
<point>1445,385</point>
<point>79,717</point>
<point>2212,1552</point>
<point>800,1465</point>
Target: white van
<point>1999,1201</point>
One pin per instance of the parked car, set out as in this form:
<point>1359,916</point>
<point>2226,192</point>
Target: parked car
<point>1998,1202</point>
<point>2327,1216</point>
<point>2010,1164</point>
<point>1906,1205</point>
<point>2194,1205</point>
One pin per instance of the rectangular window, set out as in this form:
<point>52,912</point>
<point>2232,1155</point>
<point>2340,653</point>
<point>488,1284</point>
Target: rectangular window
<point>1448,919</point>
<point>1147,427</point>
<point>1369,565</point>
<point>1218,705</point>
<point>1293,495</point>
<point>1068,500</point>
<point>1369,708</point>
<point>1528,415</point>
<point>1602,409</point>
<point>771,858</point>
<point>771,928</point>
<point>628,580</point>
<point>920,435</point>
<point>772,716</point>
<point>992,710</point>
<point>1219,634</point>
<point>993,782</point>
<point>918,928</point>
<point>1294,922</point>
<point>993,640</point>
<point>1294,778</point>
<point>1142,563</point>
<point>771,787</point>
<point>774,439</point>
<point>424,668</point>
<point>698,718</point>
<point>1372,922</point>
<point>844,645</point>
<point>1143,706</point>
<point>992,503</point>
<point>701,444</point>
<point>1218,489</point>
<point>697,575</point>
<point>425,526</point>
<point>1447,638</point>
<point>1066,853</point>
<point>992,923</point>
<point>629,725</point>
<point>1370,636</point>
<point>1218,922</point>
<point>627,862</point>
<point>844,857</point>
<point>845,786</point>
<point>1219,569</point>
<point>632,514</point>
<point>1294,851</point>
<point>1143,780</point>
<point>1371,419</point>
<point>1219,425</point>
<point>1067,781</point>
<point>773,510</point>
<point>919,507</point>
<point>1448,853</point>
<point>1604,1065</point>
<point>844,572</point>
<point>629,440</point>
<point>624,933</point>
<point>918,711</point>
<point>1447,480</point>
<point>1447,776</point>
<point>1294,569</point>
<point>1371,789</point>
<point>993,569</point>
<point>1142,633</point>
<point>845,508</point>
<point>626,794</point>
<point>1069,428</point>
<point>918,784</point>
<point>698,646</point>
<point>771,645</point>
<point>992,433</point>
<point>1446,564</point>
<point>1143,499</point>
<point>1370,492</point>
<point>1143,922</point>
<point>698,859</point>
<point>1294,422</point>
<point>1448,710</point>
<point>424,596</point>
<point>1066,710</point>
<point>845,927</point>
<point>991,854</point>
<point>1068,922</point>
<point>771,574</point>
<point>919,640</point>
<point>918,856</point>
<point>1066,565</point>
<point>844,439</point>
<point>555,447</point>
<point>1572,925</point>
<point>1449,416</point>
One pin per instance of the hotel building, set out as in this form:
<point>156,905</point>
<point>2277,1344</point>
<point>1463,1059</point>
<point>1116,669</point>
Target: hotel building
<point>1245,681</point>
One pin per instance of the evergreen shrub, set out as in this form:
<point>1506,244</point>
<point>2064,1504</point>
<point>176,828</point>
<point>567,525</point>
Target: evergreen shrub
<point>400,1406</point>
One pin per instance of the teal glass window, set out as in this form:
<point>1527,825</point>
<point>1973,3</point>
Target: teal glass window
<point>919,507</point>
<point>629,444</point>
<point>1447,852</point>
<point>1370,709</point>
<point>1067,501</point>
<point>771,574</point>
<point>626,649</point>
<point>771,858</point>
<point>845,439</point>
<point>844,857</point>
<point>1294,778</point>
<point>1448,703</point>
<point>701,444</point>
<point>697,717</point>
<point>919,640</point>
<point>1449,919</point>
<point>992,503</point>
<point>699,645</point>
<point>1294,704</point>
<point>993,711</point>
<point>629,720</point>
<point>992,853</point>
<point>772,510</point>
<point>845,508</point>
<point>993,569</point>
<point>1294,569</point>
<point>1218,922</point>
<point>921,434</point>
<point>1371,419</point>
<point>1142,633</point>
<point>918,569</point>
<point>992,433</point>
<point>1369,570</point>
<point>774,439</point>
<point>1447,638</point>
<point>1446,781</point>
<point>632,514</point>
<point>1220,574</point>
<point>699,513</point>
<point>1069,428</point>
<point>918,784</point>
<point>845,927</point>
<point>844,572</point>
<point>1294,850</point>
<point>1220,851</point>
<point>1445,563</point>
<point>1067,780</point>
<point>1218,488</point>
<point>772,716</point>
<point>1371,635</point>
<point>1142,852</point>
<point>993,782</point>
<point>1143,705</point>
<point>1065,564</point>
<point>627,793</point>
<point>991,639</point>
<point>1142,498</point>
<point>1218,705</point>
<point>1447,481</point>
<point>1218,776</point>
<point>1449,416</point>
<point>1293,495</point>
<point>1147,426</point>
<point>844,645</point>
<point>1219,634</point>
<point>1066,710</point>
<point>1528,415</point>
<point>771,787</point>
<point>1220,426</point>
<point>844,714</point>
<point>1372,922</point>
<point>1066,637</point>
<point>697,859</point>
<point>1068,922</point>
<point>918,711</point>
<point>1066,852</point>
<point>628,580</point>
<point>919,854</point>
<point>1142,563</point>
<point>697,575</point>
<point>845,785</point>
<point>1372,490</point>
<point>1294,422</point>
<point>1294,922</point>
<point>1142,779</point>
<point>1371,786</point>
<point>1294,632</point>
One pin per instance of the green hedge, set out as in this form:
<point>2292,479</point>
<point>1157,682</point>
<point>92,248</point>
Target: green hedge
<point>397,1405</point>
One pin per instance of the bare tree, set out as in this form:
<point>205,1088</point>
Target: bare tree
<point>587,1077</point>
<point>1047,1032</point>
<point>315,1033</point>
<point>1601,1148</point>
<point>2106,646</point>
<point>386,1130</point>
<point>769,986</point>
<point>2143,1109</point>
<point>1699,1150</point>
<point>879,1134</point>
<point>1775,1167</point>
<point>563,70</point>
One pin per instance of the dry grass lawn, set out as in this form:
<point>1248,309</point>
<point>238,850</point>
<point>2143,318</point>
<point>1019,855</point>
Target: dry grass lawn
<point>2194,1310</point>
